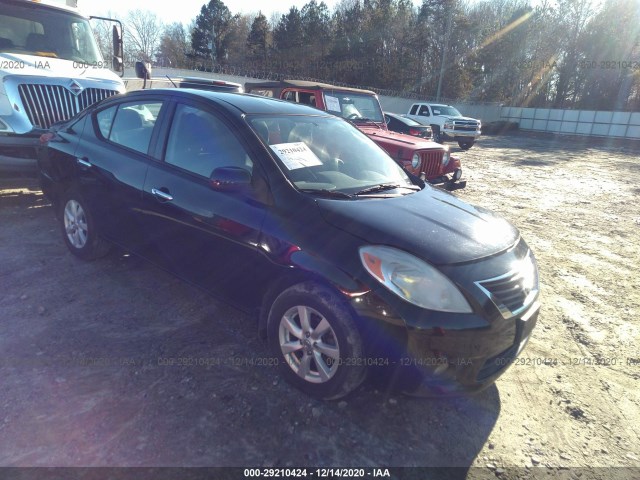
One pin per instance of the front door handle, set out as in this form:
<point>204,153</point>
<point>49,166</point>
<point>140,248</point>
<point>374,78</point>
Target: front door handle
<point>161,195</point>
<point>84,162</point>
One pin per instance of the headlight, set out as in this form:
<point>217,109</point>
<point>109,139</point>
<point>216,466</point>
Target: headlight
<point>415,160</point>
<point>412,279</point>
<point>448,125</point>
<point>529,271</point>
<point>446,158</point>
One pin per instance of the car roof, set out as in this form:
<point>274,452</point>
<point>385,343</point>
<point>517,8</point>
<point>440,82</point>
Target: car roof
<point>304,84</point>
<point>239,103</point>
<point>407,121</point>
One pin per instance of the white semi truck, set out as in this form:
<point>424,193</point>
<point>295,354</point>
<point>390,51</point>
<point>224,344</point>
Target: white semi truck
<point>50,69</point>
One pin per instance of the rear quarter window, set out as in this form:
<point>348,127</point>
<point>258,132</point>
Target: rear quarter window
<point>105,120</point>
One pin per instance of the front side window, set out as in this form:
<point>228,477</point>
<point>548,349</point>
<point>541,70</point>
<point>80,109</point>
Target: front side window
<point>200,142</point>
<point>445,110</point>
<point>325,153</point>
<point>129,124</point>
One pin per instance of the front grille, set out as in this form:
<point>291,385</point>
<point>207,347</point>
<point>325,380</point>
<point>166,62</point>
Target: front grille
<point>48,104</point>
<point>431,162</point>
<point>507,290</point>
<point>465,126</point>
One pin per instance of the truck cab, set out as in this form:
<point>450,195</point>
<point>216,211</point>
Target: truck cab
<point>421,157</point>
<point>50,69</point>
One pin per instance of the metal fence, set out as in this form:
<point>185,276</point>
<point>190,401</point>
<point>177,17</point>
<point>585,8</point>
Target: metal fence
<point>575,122</point>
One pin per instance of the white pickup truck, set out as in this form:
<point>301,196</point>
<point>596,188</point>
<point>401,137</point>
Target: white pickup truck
<point>447,123</point>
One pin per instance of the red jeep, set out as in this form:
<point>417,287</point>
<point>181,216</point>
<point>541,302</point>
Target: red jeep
<point>424,158</point>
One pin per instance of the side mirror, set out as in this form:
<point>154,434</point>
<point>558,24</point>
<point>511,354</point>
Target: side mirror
<point>143,70</point>
<point>118,50</point>
<point>230,179</point>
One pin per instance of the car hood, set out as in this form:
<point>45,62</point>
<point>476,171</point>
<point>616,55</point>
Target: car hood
<point>431,224</point>
<point>460,117</point>
<point>398,139</point>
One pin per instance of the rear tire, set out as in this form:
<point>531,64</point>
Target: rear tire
<point>437,136</point>
<point>316,341</point>
<point>79,228</point>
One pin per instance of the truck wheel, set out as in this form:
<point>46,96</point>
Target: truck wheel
<point>466,144</point>
<point>437,136</point>
<point>316,342</point>
<point>79,228</point>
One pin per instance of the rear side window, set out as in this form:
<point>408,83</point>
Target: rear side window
<point>414,109</point>
<point>129,124</point>
<point>424,110</point>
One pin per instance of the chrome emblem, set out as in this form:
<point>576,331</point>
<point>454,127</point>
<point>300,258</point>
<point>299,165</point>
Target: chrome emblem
<point>75,88</point>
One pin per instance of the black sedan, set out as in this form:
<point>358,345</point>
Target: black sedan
<point>408,126</point>
<point>292,213</point>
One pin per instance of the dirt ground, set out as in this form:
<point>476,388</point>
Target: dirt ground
<point>106,363</point>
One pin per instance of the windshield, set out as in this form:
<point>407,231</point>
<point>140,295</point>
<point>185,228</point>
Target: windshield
<point>45,32</point>
<point>329,155</point>
<point>353,106</point>
<point>445,110</point>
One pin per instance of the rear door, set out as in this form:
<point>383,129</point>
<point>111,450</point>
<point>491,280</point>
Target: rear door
<point>112,160</point>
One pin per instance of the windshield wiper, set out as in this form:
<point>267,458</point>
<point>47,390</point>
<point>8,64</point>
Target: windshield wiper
<point>326,193</point>
<point>386,186</point>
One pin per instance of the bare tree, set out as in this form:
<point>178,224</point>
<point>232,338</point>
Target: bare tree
<point>143,31</point>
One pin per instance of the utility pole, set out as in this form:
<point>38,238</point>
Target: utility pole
<point>212,46</point>
<point>444,51</point>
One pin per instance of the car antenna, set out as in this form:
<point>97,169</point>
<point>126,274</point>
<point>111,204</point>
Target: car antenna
<point>172,82</point>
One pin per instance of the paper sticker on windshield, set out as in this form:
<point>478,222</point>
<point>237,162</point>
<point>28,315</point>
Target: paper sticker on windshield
<point>333,104</point>
<point>296,155</point>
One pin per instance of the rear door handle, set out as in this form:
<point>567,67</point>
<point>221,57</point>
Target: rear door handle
<point>160,195</point>
<point>84,162</point>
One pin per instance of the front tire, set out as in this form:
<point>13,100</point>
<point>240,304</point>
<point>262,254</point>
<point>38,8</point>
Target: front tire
<point>316,341</point>
<point>79,228</point>
<point>466,144</point>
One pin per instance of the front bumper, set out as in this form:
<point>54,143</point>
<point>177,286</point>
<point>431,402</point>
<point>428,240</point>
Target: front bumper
<point>453,362</point>
<point>450,182</point>
<point>434,353</point>
<point>453,133</point>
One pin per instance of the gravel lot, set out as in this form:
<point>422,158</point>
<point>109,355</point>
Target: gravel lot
<point>109,363</point>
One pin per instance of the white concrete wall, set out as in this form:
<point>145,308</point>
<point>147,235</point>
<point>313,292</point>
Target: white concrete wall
<point>575,122</point>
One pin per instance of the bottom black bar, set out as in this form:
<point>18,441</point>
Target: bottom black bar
<point>312,473</point>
